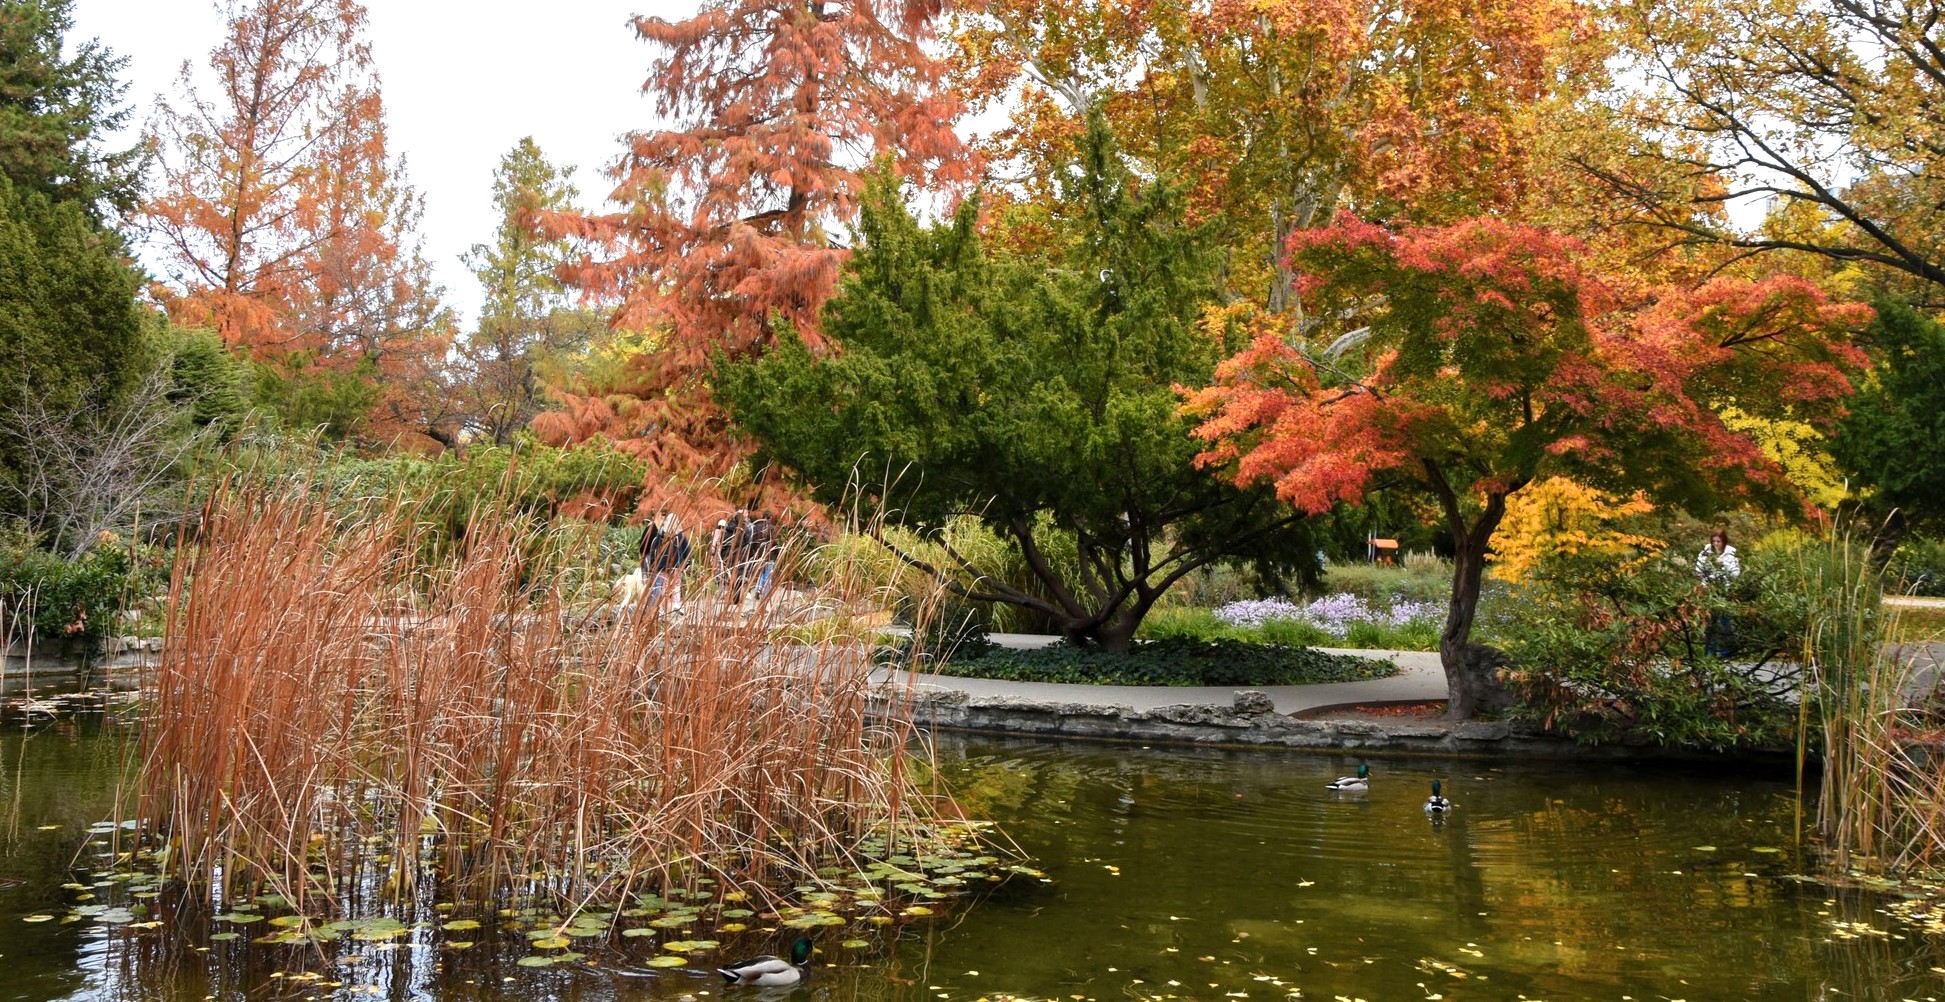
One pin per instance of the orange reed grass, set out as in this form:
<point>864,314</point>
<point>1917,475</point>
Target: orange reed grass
<point>338,716</point>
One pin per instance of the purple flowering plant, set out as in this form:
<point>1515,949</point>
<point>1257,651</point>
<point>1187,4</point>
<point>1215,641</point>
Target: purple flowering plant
<point>1334,614</point>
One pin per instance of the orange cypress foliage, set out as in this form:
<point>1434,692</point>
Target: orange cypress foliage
<point>287,227</point>
<point>1488,355</point>
<point>729,218</point>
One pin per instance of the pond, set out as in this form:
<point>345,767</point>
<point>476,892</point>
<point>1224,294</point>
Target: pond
<point>1170,874</point>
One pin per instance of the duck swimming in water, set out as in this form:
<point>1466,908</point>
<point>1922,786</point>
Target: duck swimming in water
<point>1438,804</point>
<point>1361,781</point>
<point>770,972</point>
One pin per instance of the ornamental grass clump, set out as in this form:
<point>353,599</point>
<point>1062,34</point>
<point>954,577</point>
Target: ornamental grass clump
<point>355,725</point>
<point>1881,804</point>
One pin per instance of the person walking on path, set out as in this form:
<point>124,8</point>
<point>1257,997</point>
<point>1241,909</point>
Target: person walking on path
<point>665,554</point>
<point>1718,567</point>
<point>763,553</point>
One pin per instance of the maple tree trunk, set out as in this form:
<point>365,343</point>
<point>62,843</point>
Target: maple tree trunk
<point>1471,670</point>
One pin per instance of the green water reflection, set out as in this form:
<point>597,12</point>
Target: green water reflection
<point>1195,875</point>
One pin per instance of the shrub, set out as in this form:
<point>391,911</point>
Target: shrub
<point>1611,650</point>
<point>1176,662</point>
<point>80,599</point>
<point>1416,579</point>
<point>1920,566</point>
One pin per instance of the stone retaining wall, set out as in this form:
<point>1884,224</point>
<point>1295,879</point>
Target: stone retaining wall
<point>1253,722</point>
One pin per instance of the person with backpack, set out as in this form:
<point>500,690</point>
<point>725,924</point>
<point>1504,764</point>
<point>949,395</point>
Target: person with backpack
<point>665,554</point>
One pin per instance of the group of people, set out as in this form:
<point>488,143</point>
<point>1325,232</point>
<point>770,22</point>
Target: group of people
<point>742,555</point>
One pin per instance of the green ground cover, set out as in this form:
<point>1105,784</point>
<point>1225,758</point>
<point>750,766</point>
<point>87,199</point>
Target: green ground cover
<point>1176,661</point>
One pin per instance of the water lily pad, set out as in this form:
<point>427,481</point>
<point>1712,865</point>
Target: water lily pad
<point>378,935</point>
<point>240,918</point>
<point>918,910</point>
<point>735,913</point>
<point>459,944</point>
<point>812,920</point>
<point>224,937</point>
<point>289,921</point>
<point>855,944</point>
<point>636,933</point>
<point>672,922</point>
<point>732,927</point>
<point>38,918</point>
<point>585,931</point>
<point>535,961</point>
<point>552,943</point>
<point>1705,848</point>
<point>668,960</point>
<point>460,925</point>
<point>690,945</point>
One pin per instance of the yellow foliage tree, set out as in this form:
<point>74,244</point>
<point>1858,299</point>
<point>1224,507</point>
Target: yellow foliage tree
<point>1559,517</point>
<point>1801,450</point>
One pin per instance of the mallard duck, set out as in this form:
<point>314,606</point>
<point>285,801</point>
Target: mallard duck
<point>1438,804</point>
<point>1361,781</point>
<point>770,972</point>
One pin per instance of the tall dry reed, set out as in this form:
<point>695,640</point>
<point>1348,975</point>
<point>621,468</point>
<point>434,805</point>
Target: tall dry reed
<point>337,716</point>
<point>1881,802</point>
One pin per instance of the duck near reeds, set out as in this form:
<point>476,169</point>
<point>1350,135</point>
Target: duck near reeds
<point>1359,782</point>
<point>770,972</point>
<point>1438,804</point>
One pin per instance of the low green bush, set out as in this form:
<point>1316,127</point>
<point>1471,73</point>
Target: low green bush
<point>80,599</point>
<point>1609,650</point>
<point>1177,662</point>
<point>1919,567</point>
<point>1418,579</point>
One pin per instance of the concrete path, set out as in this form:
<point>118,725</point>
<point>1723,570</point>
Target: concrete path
<point>1420,678</point>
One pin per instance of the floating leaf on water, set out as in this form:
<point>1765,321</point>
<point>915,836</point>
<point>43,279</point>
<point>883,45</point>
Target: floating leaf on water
<point>1764,848</point>
<point>1705,848</point>
<point>90,911</point>
<point>585,931</point>
<point>460,925</point>
<point>736,896</point>
<point>672,922</point>
<point>732,927</point>
<point>224,937</point>
<point>668,960</point>
<point>273,901</point>
<point>378,935</point>
<point>551,943</point>
<point>38,918</point>
<point>855,944</point>
<point>690,945</point>
<point>240,918</point>
<point>918,910</point>
<point>286,937</point>
<point>535,961</point>
<point>634,933</point>
<point>737,913</point>
<point>459,944</point>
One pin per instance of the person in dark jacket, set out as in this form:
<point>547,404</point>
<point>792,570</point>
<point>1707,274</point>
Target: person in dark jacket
<point>664,556</point>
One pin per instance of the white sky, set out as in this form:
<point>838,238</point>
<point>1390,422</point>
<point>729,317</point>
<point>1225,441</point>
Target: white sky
<point>462,83</point>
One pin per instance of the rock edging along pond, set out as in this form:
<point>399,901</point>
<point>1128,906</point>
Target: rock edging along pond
<point>1252,721</point>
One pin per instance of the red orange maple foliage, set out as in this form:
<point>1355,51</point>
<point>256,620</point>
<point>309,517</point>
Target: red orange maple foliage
<point>1486,354</point>
<point>732,220</point>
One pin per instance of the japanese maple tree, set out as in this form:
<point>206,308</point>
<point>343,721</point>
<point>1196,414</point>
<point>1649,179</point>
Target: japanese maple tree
<point>733,217</point>
<point>1472,359</point>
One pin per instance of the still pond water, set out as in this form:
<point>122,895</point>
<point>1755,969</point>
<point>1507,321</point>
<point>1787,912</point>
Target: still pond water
<point>1183,874</point>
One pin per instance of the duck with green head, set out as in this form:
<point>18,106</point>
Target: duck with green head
<point>1438,804</point>
<point>770,972</point>
<point>1359,782</point>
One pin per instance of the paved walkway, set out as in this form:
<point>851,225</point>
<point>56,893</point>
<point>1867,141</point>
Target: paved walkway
<point>1420,678</point>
